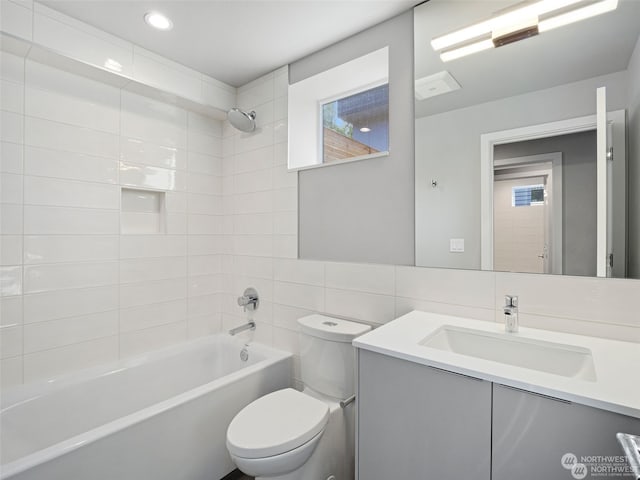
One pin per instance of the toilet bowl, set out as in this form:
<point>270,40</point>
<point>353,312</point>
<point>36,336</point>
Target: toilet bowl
<point>277,465</point>
<point>277,433</point>
<point>307,435</point>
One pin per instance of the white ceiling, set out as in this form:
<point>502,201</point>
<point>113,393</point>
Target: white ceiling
<point>234,41</point>
<point>585,49</point>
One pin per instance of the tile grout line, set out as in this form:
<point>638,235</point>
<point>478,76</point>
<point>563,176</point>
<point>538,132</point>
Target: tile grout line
<point>187,254</point>
<point>119,337</point>
<point>24,133</point>
<point>395,290</point>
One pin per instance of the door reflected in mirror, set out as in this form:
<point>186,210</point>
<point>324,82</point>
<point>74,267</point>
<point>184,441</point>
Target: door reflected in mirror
<point>508,156</point>
<point>537,229</point>
<point>527,198</point>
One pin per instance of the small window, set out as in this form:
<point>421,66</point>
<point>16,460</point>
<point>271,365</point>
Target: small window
<point>356,126</point>
<point>528,195</point>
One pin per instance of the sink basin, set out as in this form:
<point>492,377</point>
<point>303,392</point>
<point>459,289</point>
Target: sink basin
<point>549,357</point>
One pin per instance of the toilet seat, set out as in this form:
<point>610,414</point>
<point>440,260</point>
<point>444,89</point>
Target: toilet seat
<point>276,423</point>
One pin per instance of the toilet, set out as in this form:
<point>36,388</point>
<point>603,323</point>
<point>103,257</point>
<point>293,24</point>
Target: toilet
<point>293,435</point>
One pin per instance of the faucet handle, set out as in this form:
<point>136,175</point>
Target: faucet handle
<point>510,300</point>
<point>511,313</point>
<point>249,300</point>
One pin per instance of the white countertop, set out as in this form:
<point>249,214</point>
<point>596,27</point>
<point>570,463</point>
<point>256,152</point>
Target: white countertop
<point>617,384</point>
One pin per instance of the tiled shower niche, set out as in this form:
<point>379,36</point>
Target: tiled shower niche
<point>142,212</point>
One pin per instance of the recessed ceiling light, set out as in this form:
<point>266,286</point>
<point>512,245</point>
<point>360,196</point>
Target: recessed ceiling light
<point>365,129</point>
<point>158,20</point>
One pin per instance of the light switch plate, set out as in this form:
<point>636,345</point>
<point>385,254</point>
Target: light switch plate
<point>456,245</point>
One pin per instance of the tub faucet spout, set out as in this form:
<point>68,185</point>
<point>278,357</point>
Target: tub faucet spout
<point>247,326</point>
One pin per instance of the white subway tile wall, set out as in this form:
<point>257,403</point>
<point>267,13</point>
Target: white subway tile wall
<point>76,292</point>
<point>17,19</point>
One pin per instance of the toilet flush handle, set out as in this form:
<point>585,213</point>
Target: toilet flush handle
<point>346,402</point>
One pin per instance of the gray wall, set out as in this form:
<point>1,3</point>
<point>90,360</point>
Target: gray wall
<point>448,150</point>
<point>364,211</point>
<point>579,200</point>
<point>634,163</point>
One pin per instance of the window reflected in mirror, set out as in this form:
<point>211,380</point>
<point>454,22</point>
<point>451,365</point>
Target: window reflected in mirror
<point>527,196</point>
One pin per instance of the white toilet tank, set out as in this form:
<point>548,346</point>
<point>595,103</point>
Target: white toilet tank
<point>327,358</point>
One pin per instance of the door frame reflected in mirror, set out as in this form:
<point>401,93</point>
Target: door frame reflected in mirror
<point>533,132</point>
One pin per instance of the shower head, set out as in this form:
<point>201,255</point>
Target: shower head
<point>243,121</point>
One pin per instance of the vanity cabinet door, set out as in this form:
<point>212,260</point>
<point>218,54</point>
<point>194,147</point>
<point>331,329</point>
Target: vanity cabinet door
<point>532,433</point>
<point>421,423</point>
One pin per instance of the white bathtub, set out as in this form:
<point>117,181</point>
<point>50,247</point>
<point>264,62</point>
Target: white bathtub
<point>160,416</point>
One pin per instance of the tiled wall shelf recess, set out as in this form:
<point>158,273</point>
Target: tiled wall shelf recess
<point>143,211</point>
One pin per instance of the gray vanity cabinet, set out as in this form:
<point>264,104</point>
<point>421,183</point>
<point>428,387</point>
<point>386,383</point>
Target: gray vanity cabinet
<point>421,423</point>
<point>417,422</point>
<point>531,434</point>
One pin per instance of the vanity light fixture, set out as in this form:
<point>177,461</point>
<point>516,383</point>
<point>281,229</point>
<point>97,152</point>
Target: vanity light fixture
<point>572,16</point>
<point>158,20</point>
<point>517,23</point>
<point>466,50</point>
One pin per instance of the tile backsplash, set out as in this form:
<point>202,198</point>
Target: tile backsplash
<point>77,291</point>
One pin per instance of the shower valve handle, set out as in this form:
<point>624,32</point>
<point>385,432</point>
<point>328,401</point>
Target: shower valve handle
<point>249,300</point>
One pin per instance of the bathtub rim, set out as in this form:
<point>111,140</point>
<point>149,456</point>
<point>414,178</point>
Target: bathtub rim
<point>68,445</point>
<point>18,394</point>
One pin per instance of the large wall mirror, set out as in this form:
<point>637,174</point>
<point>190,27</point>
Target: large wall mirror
<point>527,136</point>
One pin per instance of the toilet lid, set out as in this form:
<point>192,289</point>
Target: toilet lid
<point>276,423</point>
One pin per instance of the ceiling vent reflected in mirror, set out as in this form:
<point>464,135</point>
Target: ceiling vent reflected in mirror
<point>436,84</point>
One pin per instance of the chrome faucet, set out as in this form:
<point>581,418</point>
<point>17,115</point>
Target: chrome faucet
<point>247,326</point>
<point>249,301</point>
<point>511,313</point>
